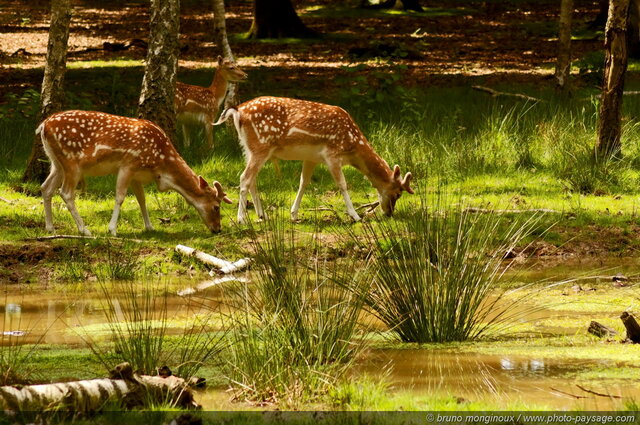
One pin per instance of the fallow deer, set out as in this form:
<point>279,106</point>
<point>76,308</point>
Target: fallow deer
<point>202,104</point>
<point>292,129</point>
<point>87,143</point>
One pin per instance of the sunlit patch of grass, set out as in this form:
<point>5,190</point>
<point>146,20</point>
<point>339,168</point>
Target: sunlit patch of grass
<point>342,12</point>
<point>112,63</point>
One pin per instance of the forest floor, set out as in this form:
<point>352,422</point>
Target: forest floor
<point>451,42</point>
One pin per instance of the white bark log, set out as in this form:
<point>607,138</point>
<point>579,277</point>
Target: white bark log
<point>90,395</point>
<point>224,265</point>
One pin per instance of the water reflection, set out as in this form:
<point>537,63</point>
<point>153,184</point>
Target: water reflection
<point>478,376</point>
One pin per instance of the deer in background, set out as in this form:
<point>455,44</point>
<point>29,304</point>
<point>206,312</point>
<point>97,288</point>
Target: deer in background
<point>85,143</point>
<point>202,104</point>
<point>292,129</point>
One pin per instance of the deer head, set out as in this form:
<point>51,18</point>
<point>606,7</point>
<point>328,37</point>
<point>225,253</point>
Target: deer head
<point>209,204</point>
<point>390,194</point>
<point>230,71</point>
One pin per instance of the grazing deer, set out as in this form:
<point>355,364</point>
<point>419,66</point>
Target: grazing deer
<point>85,143</point>
<point>202,104</point>
<point>292,129</point>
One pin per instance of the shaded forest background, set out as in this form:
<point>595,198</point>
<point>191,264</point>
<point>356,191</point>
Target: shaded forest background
<point>451,42</point>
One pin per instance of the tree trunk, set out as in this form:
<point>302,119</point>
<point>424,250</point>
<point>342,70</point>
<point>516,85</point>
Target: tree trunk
<point>52,94</point>
<point>277,19</point>
<point>633,329</point>
<point>633,29</point>
<point>159,82</point>
<point>124,387</point>
<point>220,35</point>
<point>398,4</point>
<point>563,67</point>
<point>600,330</point>
<point>613,83</point>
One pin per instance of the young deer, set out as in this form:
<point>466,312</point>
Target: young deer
<point>291,129</point>
<point>202,104</point>
<point>85,143</point>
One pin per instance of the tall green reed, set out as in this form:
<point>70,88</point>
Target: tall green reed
<point>437,271</point>
<point>293,335</point>
<point>141,334</point>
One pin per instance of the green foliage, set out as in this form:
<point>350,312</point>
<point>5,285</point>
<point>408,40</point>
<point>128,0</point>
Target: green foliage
<point>364,393</point>
<point>138,325</point>
<point>377,88</point>
<point>121,262</point>
<point>294,334</point>
<point>25,105</point>
<point>437,272</point>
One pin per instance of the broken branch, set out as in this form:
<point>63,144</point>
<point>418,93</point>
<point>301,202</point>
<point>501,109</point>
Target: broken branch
<point>496,93</point>
<point>224,266</point>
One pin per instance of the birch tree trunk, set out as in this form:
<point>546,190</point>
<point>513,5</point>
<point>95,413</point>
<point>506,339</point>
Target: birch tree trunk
<point>156,102</point>
<point>220,35</point>
<point>123,387</point>
<point>52,93</point>
<point>613,83</point>
<point>563,67</point>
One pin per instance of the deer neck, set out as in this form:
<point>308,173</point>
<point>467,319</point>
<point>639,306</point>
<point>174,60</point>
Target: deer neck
<point>219,87</point>
<point>374,168</point>
<point>181,179</point>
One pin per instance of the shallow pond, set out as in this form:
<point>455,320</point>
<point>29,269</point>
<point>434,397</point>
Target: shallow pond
<point>58,316</point>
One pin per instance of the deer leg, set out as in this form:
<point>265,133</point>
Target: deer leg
<point>336,171</point>
<point>248,183</point>
<point>185,135</point>
<point>122,185</point>
<point>208,131</point>
<point>68,193</point>
<point>138,190</point>
<point>50,185</point>
<point>305,178</point>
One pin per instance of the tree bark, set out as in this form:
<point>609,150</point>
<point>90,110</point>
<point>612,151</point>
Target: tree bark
<point>633,29</point>
<point>52,93</point>
<point>388,4</point>
<point>633,329</point>
<point>563,67</point>
<point>87,396</point>
<point>609,116</point>
<point>277,19</point>
<point>220,35</point>
<point>156,102</point>
<point>600,330</point>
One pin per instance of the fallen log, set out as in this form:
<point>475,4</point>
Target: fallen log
<point>632,327</point>
<point>224,266</point>
<point>600,330</point>
<point>123,386</point>
<point>496,93</point>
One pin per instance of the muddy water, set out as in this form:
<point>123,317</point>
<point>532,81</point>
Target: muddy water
<point>68,317</point>
<point>472,376</point>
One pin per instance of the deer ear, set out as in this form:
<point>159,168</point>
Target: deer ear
<point>220,60</point>
<point>396,172</point>
<point>406,181</point>
<point>221,194</point>
<point>203,183</point>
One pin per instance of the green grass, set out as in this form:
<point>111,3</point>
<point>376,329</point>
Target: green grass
<point>294,330</point>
